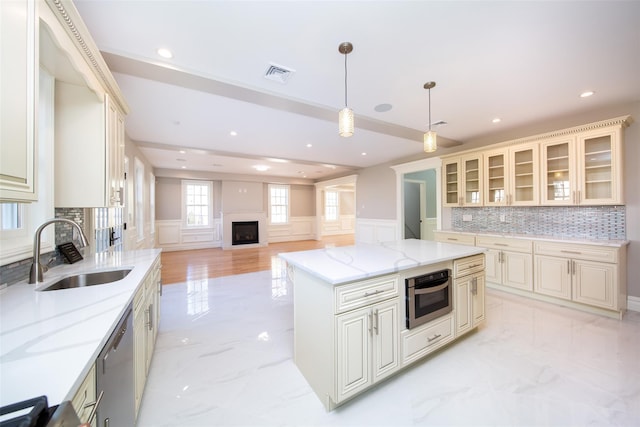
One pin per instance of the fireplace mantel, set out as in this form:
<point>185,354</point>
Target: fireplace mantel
<point>230,217</point>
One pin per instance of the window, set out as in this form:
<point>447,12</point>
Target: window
<point>196,203</point>
<point>152,202</point>
<point>139,196</point>
<point>279,204</point>
<point>331,205</point>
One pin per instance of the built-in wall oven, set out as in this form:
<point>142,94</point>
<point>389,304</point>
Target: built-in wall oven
<point>428,297</point>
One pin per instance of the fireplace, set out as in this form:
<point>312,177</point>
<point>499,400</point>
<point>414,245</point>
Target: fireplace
<point>244,232</point>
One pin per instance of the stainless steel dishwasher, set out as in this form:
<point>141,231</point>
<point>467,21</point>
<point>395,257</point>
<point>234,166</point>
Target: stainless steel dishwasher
<point>114,376</point>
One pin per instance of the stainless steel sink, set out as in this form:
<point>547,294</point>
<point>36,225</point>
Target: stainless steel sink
<point>88,279</point>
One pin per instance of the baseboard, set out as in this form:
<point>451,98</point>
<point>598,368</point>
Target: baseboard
<point>633,303</point>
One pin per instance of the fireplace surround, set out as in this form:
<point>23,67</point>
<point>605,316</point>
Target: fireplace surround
<point>250,229</point>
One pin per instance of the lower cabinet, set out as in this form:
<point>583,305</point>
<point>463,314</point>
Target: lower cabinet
<point>469,302</point>
<point>423,340</point>
<point>509,262</point>
<point>367,346</point>
<point>146,316</point>
<point>85,398</point>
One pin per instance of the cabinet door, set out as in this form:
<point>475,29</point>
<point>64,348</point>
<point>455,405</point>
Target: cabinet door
<point>496,178</point>
<point>463,306</point>
<point>353,352</point>
<point>115,153</point>
<point>386,355</point>
<point>558,172</point>
<point>517,270</point>
<point>477,300</point>
<point>523,176</point>
<point>451,182</point>
<point>472,180</point>
<point>595,284</point>
<point>493,266</point>
<point>552,276</point>
<point>19,35</point>
<point>599,168</point>
<point>139,355</point>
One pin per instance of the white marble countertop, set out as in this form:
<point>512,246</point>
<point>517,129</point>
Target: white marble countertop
<point>349,263</point>
<point>49,340</point>
<point>596,242</point>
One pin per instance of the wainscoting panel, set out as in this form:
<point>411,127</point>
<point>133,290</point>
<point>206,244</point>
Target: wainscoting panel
<point>171,236</point>
<point>376,230</point>
<point>298,228</point>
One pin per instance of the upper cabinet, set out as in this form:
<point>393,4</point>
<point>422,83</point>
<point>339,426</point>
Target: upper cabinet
<point>512,176</point>
<point>89,112</point>
<point>577,166</point>
<point>18,95</point>
<point>462,180</point>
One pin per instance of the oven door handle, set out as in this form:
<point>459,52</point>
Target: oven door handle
<point>431,290</point>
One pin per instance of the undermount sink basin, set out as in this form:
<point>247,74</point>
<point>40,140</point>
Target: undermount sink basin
<point>88,279</point>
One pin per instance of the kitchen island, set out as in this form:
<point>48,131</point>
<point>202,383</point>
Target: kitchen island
<point>350,310</point>
<point>49,340</point>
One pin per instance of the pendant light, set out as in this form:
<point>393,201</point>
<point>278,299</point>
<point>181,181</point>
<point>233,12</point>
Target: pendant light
<point>345,116</point>
<point>430,143</point>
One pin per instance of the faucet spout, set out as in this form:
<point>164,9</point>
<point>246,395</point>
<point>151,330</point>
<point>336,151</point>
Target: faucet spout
<point>36,272</point>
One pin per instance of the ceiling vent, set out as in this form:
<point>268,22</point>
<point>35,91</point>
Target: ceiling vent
<point>278,73</point>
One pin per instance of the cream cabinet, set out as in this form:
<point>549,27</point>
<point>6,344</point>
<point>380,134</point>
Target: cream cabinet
<point>509,262</point>
<point>462,181</point>
<point>145,328</point>
<point>511,176</point>
<point>85,398</point>
<point>89,151</point>
<point>367,347</point>
<point>426,339</point>
<point>470,311</point>
<point>586,274</point>
<point>18,95</point>
<point>459,238</point>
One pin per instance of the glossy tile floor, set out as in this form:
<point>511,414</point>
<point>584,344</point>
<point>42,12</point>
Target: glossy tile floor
<point>224,358</point>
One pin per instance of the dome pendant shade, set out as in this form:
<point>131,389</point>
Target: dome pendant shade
<point>430,142</point>
<point>346,122</point>
<point>346,125</point>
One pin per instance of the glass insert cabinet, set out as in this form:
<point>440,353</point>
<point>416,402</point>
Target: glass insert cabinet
<point>576,166</point>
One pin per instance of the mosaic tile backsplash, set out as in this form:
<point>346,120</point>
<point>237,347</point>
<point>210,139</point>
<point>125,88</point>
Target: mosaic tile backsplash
<point>578,222</point>
<point>18,271</point>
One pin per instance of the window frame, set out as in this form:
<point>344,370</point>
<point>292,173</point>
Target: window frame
<point>209,185</point>
<point>336,206</point>
<point>138,194</point>
<point>286,205</point>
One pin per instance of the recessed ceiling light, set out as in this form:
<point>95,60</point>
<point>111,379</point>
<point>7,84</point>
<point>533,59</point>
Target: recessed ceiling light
<point>586,94</point>
<point>165,53</point>
<point>261,168</point>
<point>233,133</point>
<point>496,120</point>
<point>183,167</point>
<point>364,154</point>
<point>383,108</point>
<point>309,145</point>
<point>183,152</point>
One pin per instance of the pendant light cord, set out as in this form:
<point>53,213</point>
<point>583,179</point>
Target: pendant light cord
<point>345,80</point>
<point>429,110</point>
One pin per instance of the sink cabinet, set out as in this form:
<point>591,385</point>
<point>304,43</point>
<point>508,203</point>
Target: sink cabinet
<point>18,91</point>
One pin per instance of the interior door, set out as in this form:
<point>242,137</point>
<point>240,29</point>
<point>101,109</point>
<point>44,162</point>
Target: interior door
<point>413,209</point>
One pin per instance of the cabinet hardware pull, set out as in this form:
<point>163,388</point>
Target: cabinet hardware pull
<point>568,266</point>
<point>370,317</point>
<point>94,408</point>
<point>435,337</point>
<point>452,238</point>
<point>368,294</point>
<point>570,252</point>
<point>375,324</point>
<point>573,267</point>
<point>501,244</point>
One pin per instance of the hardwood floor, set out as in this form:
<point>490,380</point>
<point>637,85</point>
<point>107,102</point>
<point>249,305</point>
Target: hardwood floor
<point>180,266</point>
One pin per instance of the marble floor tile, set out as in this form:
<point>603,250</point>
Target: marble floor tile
<point>224,358</point>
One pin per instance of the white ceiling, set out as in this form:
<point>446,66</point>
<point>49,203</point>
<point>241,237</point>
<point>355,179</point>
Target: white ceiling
<point>524,62</point>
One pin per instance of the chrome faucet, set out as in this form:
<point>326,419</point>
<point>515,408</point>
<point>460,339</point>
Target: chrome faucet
<point>36,272</point>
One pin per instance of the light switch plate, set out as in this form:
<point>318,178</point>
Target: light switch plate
<point>466,217</point>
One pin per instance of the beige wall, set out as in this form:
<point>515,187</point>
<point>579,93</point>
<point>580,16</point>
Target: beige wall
<point>303,200</point>
<point>376,193</point>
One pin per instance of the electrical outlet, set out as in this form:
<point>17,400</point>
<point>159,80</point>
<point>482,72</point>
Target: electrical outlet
<point>467,217</point>
<point>503,218</point>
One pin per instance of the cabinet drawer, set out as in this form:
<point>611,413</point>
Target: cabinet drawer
<point>349,297</point>
<point>464,266</point>
<point>460,238</point>
<point>576,251</point>
<point>426,339</point>
<point>504,243</point>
